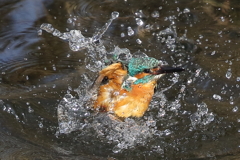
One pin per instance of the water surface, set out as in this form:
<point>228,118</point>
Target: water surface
<point>193,115</point>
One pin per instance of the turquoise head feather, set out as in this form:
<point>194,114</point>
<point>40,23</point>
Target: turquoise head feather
<point>138,65</point>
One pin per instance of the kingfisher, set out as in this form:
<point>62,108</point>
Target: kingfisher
<point>129,88</point>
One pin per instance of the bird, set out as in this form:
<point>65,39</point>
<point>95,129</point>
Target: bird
<point>127,89</point>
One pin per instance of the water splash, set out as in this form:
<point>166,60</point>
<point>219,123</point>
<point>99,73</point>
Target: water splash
<point>119,54</point>
<point>75,114</point>
<point>201,117</point>
<point>71,114</point>
<point>98,35</point>
<point>7,108</point>
<point>124,134</point>
<point>75,38</point>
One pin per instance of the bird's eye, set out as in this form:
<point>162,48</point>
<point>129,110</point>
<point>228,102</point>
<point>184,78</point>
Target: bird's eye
<point>146,71</point>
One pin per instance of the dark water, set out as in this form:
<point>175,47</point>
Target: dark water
<point>193,115</point>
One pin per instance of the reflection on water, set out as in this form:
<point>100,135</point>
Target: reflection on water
<point>192,115</point>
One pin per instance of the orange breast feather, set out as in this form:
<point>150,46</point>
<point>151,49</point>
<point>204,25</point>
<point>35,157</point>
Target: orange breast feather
<point>112,97</point>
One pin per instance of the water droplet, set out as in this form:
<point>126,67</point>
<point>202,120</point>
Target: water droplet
<point>195,117</point>
<point>229,74</point>
<point>238,79</point>
<point>222,19</point>
<point>198,72</point>
<point>39,32</point>
<point>155,14</point>
<point>213,53</point>
<point>57,33</point>
<point>130,31</point>
<point>40,125</point>
<point>202,109</point>
<point>115,15</point>
<point>30,110</point>
<point>161,112</point>
<point>186,10</point>
<point>122,35</point>
<point>167,132</point>
<point>189,81</point>
<point>47,27</point>
<point>69,20</point>
<point>139,41</point>
<point>139,21</point>
<point>218,97</point>
<point>209,117</point>
<point>139,14</point>
<point>235,109</point>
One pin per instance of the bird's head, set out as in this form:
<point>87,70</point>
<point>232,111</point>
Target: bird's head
<point>146,69</point>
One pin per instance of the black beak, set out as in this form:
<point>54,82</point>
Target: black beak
<point>168,69</point>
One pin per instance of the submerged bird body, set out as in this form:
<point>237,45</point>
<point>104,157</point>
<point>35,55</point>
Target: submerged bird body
<point>128,92</point>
